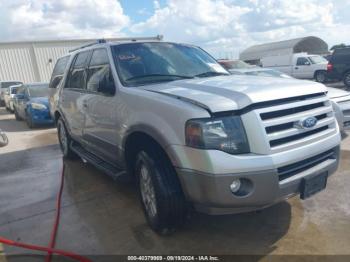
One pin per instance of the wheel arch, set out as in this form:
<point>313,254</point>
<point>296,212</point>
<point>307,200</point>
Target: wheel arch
<point>141,136</point>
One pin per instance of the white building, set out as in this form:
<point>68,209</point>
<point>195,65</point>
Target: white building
<point>309,44</point>
<point>34,61</point>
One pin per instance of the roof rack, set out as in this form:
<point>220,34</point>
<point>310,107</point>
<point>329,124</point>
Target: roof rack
<point>134,39</point>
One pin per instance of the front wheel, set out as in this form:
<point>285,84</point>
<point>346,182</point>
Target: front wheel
<point>64,140</point>
<point>161,195</point>
<point>18,118</point>
<point>321,76</point>
<point>29,121</point>
<point>347,79</point>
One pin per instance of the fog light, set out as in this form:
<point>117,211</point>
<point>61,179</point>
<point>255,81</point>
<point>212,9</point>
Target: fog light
<point>236,185</point>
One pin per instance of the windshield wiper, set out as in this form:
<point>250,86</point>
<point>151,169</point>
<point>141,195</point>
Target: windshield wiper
<point>211,73</point>
<point>155,75</point>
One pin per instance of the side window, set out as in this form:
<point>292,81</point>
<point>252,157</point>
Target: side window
<point>76,76</point>
<point>303,61</point>
<point>99,75</point>
<point>58,72</point>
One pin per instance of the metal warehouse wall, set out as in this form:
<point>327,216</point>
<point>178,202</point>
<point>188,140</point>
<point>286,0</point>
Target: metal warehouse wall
<point>30,61</point>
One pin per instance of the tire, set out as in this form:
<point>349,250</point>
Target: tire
<point>161,196</point>
<point>29,121</point>
<point>18,118</point>
<point>346,79</point>
<point>321,76</point>
<point>64,140</point>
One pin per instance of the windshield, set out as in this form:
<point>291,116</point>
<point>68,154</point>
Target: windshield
<point>38,91</point>
<point>237,64</point>
<point>145,63</point>
<point>318,59</point>
<point>8,84</point>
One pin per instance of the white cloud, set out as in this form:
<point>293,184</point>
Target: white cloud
<point>50,19</point>
<point>229,26</point>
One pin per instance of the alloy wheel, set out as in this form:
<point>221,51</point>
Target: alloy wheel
<point>147,192</point>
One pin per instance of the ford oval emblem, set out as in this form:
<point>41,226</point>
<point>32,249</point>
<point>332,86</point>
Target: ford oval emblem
<point>307,123</point>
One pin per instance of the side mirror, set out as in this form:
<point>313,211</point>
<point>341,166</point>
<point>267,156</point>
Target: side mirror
<point>107,88</point>
<point>307,63</point>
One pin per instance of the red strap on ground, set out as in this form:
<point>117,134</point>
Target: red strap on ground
<point>51,249</point>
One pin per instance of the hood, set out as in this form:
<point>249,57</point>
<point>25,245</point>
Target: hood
<point>40,100</point>
<point>336,92</point>
<point>234,92</point>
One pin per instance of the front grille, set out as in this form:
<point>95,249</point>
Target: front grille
<point>298,167</point>
<point>280,121</point>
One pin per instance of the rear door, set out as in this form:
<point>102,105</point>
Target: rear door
<point>100,128</point>
<point>56,78</point>
<point>71,99</point>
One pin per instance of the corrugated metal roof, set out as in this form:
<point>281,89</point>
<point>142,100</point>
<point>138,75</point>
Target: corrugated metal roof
<point>309,44</point>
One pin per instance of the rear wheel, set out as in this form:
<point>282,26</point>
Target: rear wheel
<point>321,76</point>
<point>347,79</point>
<point>64,140</point>
<point>161,195</point>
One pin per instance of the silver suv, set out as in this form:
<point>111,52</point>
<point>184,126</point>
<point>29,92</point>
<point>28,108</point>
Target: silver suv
<point>192,135</point>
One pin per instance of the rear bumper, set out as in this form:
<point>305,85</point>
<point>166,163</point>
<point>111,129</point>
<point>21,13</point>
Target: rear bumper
<point>210,193</point>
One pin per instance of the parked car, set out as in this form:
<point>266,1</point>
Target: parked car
<point>55,81</point>
<point>299,65</point>
<point>3,86</point>
<point>338,67</point>
<point>190,134</point>
<point>341,105</point>
<point>229,64</point>
<point>9,96</point>
<point>258,71</point>
<point>31,103</point>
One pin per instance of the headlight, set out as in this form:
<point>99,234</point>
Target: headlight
<point>223,133</point>
<point>38,106</point>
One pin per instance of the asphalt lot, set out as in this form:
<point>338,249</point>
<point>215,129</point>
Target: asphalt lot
<point>101,216</point>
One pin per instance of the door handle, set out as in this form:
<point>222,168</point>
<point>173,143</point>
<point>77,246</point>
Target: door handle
<point>296,67</point>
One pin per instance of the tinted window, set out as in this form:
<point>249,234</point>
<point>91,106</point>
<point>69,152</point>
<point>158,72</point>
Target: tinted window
<point>303,61</point>
<point>58,71</point>
<point>99,76</point>
<point>76,76</point>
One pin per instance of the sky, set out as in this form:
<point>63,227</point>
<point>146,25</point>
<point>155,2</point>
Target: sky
<point>222,27</point>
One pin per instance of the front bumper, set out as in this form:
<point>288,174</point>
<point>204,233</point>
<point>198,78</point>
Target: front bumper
<point>42,117</point>
<point>211,193</point>
<point>206,180</point>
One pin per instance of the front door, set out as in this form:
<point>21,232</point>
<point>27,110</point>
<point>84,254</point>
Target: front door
<point>100,128</point>
<point>302,68</point>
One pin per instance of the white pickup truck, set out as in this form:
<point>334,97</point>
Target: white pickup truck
<point>300,65</point>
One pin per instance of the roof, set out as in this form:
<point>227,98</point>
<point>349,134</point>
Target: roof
<point>309,44</point>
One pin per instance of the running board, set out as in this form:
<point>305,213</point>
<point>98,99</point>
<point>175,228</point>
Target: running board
<point>99,163</point>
